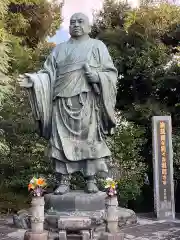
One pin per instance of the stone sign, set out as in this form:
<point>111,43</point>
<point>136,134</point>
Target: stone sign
<point>163,168</point>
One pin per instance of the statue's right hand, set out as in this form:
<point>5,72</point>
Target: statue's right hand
<point>24,81</point>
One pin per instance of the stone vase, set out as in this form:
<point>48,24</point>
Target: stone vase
<point>37,214</point>
<point>111,204</point>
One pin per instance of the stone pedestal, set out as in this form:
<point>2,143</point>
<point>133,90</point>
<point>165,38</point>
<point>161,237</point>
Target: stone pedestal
<point>37,221</point>
<point>112,214</point>
<point>36,236</point>
<point>75,204</point>
<point>75,201</point>
<point>37,214</point>
<point>110,236</point>
<point>80,204</point>
<point>74,223</point>
<point>94,205</point>
<point>81,225</point>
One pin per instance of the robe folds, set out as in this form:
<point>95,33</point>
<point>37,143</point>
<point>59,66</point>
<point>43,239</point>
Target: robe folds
<point>71,115</point>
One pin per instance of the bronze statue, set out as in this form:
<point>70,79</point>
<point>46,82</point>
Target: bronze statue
<point>73,99</point>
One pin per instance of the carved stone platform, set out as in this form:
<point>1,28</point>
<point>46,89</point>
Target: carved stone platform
<point>52,218</point>
<point>111,236</point>
<point>82,225</point>
<point>76,204</point>
<point>75,201</point>
<point>36,236</point>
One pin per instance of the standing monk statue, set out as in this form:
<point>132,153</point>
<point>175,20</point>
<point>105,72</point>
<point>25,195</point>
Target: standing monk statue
<point>73,99</point>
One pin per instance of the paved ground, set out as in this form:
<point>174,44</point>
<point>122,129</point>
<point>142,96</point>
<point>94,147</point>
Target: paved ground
<point>146,229</point>
<point>153,230</point>
<point>7,230</point>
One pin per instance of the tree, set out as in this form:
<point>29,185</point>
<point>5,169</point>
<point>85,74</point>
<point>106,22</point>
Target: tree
<point>29,22</point>
<point>33,20</point>
<point>128,165</point>
<point>140,54</point>
<point>24,53</point>
<point>4,66</point>
<point>143,43</point>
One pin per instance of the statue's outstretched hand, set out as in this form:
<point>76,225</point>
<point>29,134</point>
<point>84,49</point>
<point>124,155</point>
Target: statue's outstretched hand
<point>25,81</point>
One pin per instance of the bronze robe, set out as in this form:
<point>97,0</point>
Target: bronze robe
<point>71,115</point>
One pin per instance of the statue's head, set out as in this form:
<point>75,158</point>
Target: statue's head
<point>79,25</point>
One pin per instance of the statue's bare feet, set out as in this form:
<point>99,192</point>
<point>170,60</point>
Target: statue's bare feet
<point>62,189</point>
<point>91,186</point>
<point>64,185</point>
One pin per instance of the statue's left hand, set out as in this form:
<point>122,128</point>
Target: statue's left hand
<point>92,77</point>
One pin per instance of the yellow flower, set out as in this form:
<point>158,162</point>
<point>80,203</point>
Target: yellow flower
<point>113,185</point>
<point>110,183</point>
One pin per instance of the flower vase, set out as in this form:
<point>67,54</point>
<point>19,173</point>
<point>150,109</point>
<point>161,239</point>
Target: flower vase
<point>37,214</point>
<point>111,204</point>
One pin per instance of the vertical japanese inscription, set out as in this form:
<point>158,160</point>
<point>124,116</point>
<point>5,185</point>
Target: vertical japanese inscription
<point>163,150</point>
<point>163,164</point>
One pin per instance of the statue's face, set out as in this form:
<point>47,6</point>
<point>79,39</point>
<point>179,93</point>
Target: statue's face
<point>79,25</point>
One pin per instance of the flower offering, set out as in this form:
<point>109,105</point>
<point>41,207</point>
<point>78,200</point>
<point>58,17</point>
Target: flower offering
<point>111,187</point>
<point>37,186</point>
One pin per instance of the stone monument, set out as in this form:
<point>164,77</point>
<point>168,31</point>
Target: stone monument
<point>72,99</point>
<point>163,168</point>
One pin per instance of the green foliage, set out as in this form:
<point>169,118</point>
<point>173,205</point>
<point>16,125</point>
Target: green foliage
<point>4,80</point>
<point>128,165</point>
<point>11,201</point>
<point>176,155</point>
<point>39,55</point>
<point>137,45</point>
<point>153,22</point>
<point>24,25</point>
<point>143,43</point>
<point>32,21</point>
<point>4,49</point>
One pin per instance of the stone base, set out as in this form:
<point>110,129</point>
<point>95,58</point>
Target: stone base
<point>74,223</point>
<point>36,236</point>
<point>75,204</point>
<point>111,236</point>
<point>52,219</point>
<point>126,217</point>
<point>83,235</point>
<point>75,201</point>
<point>22,219</point>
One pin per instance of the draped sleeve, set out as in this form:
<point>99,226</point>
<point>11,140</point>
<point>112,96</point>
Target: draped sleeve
<point>40,95</point>
<point>108,79</point>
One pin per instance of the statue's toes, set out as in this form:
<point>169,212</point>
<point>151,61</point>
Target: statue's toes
<point>92,188</point>
<point>62,189</point>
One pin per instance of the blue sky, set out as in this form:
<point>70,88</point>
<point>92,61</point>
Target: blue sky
<point>61,36</point>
